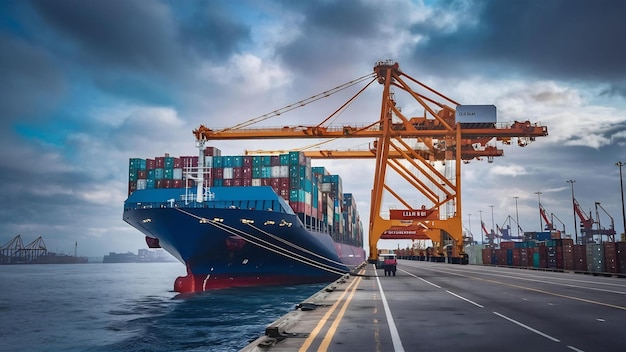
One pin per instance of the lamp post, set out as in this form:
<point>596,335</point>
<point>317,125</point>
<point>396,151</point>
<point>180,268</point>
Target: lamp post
<point>469,216</point>
<point>540,221</point>
<point>574,210</point>
<point>516,216</point>
<point>621,185</point>
<point>493,227</point>
<point>482,239</point>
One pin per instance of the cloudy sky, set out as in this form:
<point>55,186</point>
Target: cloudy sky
<point>86,85</point>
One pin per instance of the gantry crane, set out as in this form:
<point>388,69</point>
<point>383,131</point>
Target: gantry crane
<point>440,134</point>
<point>587,221</point>
<point>506,232</point>
<point>491,235</point>
<point>545,217</point>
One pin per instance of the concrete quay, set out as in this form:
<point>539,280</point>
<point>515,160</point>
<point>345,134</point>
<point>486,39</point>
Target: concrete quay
<point>438,306</point>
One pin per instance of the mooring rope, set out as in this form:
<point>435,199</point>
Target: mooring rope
<point>294,256</point>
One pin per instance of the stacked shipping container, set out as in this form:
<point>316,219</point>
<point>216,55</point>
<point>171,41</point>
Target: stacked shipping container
<point>312,192</point>
<point>607,257</point>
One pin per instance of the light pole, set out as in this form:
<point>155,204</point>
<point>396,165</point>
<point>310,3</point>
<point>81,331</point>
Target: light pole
<point>493,227</point>
<point>621,186</point>
<point>482,239</point>
<point>540,222</point>
<point>516,216</point>
<point>574,210</point>
<point>469,216</point>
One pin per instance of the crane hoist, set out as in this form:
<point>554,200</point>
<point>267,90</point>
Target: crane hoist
<point>412,147</point>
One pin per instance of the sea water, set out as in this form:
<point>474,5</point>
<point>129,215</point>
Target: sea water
<point>131,307</point>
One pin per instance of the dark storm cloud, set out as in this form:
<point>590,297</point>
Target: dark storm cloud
<point>573,39</point>
<point>144,35</point>
<point>331,32</point>
<point>30,79</point>
<point>130,34</point>
<point>210,31</point>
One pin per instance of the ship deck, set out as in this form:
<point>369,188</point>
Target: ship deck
<point>441,306</point>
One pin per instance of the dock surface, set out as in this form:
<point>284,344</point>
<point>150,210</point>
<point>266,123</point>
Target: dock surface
<point>431,306</point>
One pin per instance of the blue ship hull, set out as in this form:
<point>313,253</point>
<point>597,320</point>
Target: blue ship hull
<point>230,246</point>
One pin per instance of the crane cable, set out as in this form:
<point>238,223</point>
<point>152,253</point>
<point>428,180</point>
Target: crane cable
<point>298,104</point>
<point>237,232</point>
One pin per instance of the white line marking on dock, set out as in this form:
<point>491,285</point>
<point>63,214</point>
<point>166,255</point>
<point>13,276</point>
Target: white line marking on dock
<point>417,277</point>
<point>527,327</point>
<point>575,349</point>
<point>465,299</point>
<point>395,337</point>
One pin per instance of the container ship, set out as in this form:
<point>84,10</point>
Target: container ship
<point>245,220</point>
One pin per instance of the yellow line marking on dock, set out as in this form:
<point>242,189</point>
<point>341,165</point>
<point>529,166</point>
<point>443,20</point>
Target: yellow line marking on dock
<point>333,327</point>
<point>351,288</point>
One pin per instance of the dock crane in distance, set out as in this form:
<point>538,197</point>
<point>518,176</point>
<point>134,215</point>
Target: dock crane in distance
<point>544,215</point>
<point>506,232</point>
<point>610,232</point>
<point>443,137</point>
<point>491,235</point>
<point>587,221</point>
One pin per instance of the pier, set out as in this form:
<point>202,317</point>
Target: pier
<point>431,306</point>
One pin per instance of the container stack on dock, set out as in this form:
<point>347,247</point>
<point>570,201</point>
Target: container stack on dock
<point>312,192</point>
<point>558,254</point>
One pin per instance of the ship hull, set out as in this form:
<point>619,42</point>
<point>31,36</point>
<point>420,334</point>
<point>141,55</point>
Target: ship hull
<point>242,247</point>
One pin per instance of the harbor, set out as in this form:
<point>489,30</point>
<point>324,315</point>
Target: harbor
<point>441,306</point>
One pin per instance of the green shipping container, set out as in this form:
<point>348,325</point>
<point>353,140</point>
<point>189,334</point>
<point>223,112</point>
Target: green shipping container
<point>535,260</point>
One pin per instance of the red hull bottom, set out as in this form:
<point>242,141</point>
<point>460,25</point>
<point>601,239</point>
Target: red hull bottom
<point>199,283</point>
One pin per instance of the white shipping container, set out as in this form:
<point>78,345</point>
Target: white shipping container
<point>178,174</point>
<point>284,171</point>
<point>228,173</point>
<point>208,161</point>
<point>275,172</point>
<point>307,198</point>
<point>142,183</point>
<point>326,187</point>
<point>256,181</point>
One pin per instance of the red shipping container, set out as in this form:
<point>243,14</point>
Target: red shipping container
<point>487,252</point>
<point>247,161</point>
<point>238,173</point>
<point>297,207</point>
<point>167,183</point>
<point>227,182</point>
<point>237,182</point>
<point>212,151</point>
<point>621,256</point>
<point>132,187</point>
<point>507,245</point>
<point>141,174</point>
<point>218,174</point>
<point>516,257</point>
<point>177,183</point>
<point>610,257</point>
<point>150,164</point>
<point>580,257</point>
<point>188,161</point>
<point>246,173</point>
<point>247,182</point>
<point>159,162</point>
